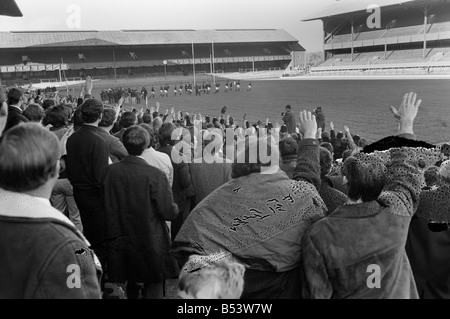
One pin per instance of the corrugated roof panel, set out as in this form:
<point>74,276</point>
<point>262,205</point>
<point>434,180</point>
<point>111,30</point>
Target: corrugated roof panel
<point>78,38</point>
<point>351,6</point>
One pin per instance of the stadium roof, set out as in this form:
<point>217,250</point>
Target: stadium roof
<point>352,6</point>
<point>9,8</point>
<point>138,37</point>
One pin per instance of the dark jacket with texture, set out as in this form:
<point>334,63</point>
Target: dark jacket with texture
<point>87,156</point>
<point>117,151</point>
<point>15,117</point>
<point>37,245</point>
<point>340,249</point>
<point>138,201</point>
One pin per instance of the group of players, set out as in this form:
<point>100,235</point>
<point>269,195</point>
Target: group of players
<point>189,89</point>
<point>134,96</point>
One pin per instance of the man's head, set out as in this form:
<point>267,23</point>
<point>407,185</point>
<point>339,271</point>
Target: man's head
<point>34,113</point>
<point>288,147</point>
<point>165,134</point>
<point>220,279</point>
<point>92,111</point>
<point>29,158</point>
<point>288,108</point>
<point>326,161</point>
<point>56,116</point>
<point>151,134</point>
<point>365,181</point>
<point>108,118</point>
<point>128,119</point>
<point>136,140</point>
<point>15,97</point>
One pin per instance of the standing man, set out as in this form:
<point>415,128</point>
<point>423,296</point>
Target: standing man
<point>43,254</point>
<point>138,201</point>
<point>15,117</point>
<point>320,118</point>
<point>87,157</point>
<point>289,119</point>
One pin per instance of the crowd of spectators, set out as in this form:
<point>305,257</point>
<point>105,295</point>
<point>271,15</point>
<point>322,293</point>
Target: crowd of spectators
<point>277,211</point>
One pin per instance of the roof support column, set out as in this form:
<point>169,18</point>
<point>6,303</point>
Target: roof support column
<point>353,32</point>
<point>425,24</point>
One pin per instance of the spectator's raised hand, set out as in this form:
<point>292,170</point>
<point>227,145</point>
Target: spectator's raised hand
<point>308,124</point>
<point>332,125</point>
<point>407,112</point>
<point>346,129</point>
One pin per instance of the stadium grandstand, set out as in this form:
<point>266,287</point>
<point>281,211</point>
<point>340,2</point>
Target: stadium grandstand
<point>33,56</point>
<point>413,38</point>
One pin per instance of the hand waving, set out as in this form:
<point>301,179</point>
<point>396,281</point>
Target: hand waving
<point>308,124</point>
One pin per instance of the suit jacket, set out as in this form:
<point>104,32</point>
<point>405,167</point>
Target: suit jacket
<point>87,156</point>
<point>15,117</point>
<point>289,121</point>
<point>138,201</point>
<point>116,149</point>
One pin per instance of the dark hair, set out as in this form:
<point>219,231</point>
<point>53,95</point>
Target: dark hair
<point>240,169</point>
<point>151,133</point>
<point>339,135</point>
<point>91,110</point>
<point>34,113</point>
<point>108,118</point>
<point>146,118</point>
<point>328,146</point>
<point>326,137</point>
<point>288,146</point>
<point>288,107</point>
<point>365,181</point>
<point>346,154</point>
<point>135,139</point>
<point>165,134</point>
<point>14,96</point>
<point>48,103</point>
<point>56,116</point>
<point>326,161</point>
<point>77,119</point>
<point>28,157</point>
<point>128,119</point>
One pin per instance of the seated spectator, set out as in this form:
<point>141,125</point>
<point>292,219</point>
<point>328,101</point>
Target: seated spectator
<point>344,253</point>
<point>205,277</point>
<point>117,151</point>
<point>288,152</point>
<point>34,113</point>
<point>260,218</point>
<point>138,201</point>
<point>157,159</point>
<point>37,242</point>
<point>332,197</point>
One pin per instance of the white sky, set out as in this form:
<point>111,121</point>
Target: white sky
<point>174,14</point>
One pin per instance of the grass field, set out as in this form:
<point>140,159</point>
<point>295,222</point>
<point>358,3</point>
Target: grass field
<point>360,104</point>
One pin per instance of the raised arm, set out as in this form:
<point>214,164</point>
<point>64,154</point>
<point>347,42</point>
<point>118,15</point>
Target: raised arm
<point>404,178</point>
<point>308,165</point>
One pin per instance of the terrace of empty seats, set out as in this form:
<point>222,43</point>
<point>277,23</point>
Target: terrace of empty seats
<point>392,57</point>
<point>391,33</point>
